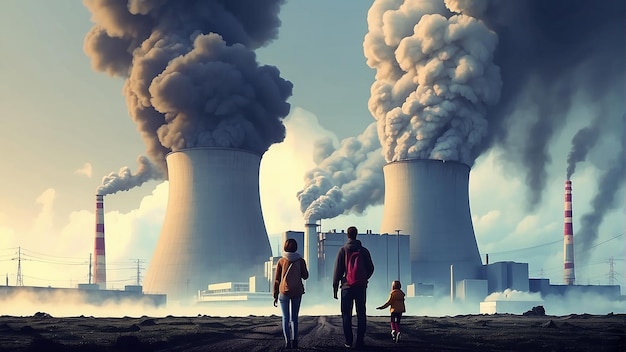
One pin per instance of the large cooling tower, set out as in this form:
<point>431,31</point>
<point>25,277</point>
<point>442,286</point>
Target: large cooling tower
<point>429,201</point>
<point>213,230</point>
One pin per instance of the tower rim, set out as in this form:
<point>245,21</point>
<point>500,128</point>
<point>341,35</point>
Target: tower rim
<point>421,160</point>
<point>213,148</point>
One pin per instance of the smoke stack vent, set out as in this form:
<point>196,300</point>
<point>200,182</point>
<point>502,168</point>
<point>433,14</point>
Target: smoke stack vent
<point>429,201</point>
<point>100,276</point>
<point>311,252</point>
<point>213,230</point>
<point>568,238</point>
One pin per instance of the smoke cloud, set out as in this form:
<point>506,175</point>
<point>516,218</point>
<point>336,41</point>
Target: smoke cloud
<point>191,75</point>
<point>435,77</point>
<point>345,180</point>
<point>553,56</point>
<point>605,199</point>
<point>456,78</point>
<point>125,179</point>
<point>582,142</point>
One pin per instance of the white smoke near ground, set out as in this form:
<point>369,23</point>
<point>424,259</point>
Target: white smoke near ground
<point>191,75</point>
<point>72,304</point>
<point>513,295</point>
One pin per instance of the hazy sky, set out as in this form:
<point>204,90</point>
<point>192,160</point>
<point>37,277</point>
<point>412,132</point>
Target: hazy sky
<point>65,126</point>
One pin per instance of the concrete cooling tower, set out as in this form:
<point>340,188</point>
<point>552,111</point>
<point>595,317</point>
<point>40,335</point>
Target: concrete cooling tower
<point>213,230</point>
<point>429,201</point>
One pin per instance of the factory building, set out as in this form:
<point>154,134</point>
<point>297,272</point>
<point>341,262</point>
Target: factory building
<point>390,254</point>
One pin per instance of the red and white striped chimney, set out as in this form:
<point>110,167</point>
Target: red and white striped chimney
<point>100,273</point>
<point>568,240</point>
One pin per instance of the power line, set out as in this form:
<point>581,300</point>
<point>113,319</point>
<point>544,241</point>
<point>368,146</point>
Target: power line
<point>551,243</point>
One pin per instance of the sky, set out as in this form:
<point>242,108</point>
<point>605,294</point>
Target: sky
<point>66,125</point>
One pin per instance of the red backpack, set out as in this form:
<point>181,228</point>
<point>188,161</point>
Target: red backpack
<point>356,273</point>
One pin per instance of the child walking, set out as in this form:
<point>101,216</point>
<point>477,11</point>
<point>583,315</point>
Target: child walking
<point>396,302</point>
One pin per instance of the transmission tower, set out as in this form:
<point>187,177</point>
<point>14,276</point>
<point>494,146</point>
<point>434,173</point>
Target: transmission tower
<point>611,272</point>
<point>20,281</point>
<point>138,272</point>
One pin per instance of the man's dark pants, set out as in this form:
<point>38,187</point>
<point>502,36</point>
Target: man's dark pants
<point>349,297</point>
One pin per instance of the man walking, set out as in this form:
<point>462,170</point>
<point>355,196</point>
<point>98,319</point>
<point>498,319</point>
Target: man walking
<point>353,268</point>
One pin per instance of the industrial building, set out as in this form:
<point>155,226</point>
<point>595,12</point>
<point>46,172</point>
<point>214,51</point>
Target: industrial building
<point>214,247</point>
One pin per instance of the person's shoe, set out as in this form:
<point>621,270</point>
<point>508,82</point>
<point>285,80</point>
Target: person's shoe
<point>294,344</point>
<point>393,335</point>
<point>347,345</point>
<point>288,345</point>
<point>397,337</point>
<point>359,345</point>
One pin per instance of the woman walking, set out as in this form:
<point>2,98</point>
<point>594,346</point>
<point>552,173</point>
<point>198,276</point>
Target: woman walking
<point>288,289</point>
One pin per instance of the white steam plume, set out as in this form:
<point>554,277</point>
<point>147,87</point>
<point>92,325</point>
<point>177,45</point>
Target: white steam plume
<point>125,179</point>
<point>435,77</point>
<point>345,180</point>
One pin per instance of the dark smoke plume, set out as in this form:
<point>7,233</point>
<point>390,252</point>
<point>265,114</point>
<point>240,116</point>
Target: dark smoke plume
<point>605,200</point>
<point>552,55</point>
<point>582,142</point>
<point>610,181</point>
<point>192,79</point>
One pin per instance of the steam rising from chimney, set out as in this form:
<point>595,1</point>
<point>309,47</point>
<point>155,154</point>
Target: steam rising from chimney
<point>435,77</point>
<point>192,79</point>
<point>125,179</point>
<point>346,179</point>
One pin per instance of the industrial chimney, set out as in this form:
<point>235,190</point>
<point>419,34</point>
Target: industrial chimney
<point>311,253</point>
<point>100,276</point>
<point>429,201</point>
<point>568,237</point>
<point>213,230</point>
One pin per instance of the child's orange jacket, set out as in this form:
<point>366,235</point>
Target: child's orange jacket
<point>396,301</point>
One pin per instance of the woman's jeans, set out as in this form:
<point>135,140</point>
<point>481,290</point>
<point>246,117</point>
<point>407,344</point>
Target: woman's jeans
<point>285,301</point>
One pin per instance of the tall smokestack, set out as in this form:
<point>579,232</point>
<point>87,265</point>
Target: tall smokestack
<point>100,270</point>
<point>213,230</point>
<point>568,238</point>
<point>311,252</point>
<point>429,201</point>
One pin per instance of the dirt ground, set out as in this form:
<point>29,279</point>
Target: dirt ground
<point>500,332</point>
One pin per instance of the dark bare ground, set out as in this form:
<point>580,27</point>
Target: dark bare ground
<point>500,332</point>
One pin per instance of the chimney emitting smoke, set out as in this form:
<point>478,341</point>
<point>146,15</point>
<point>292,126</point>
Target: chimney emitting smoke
<point>568,238</point>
